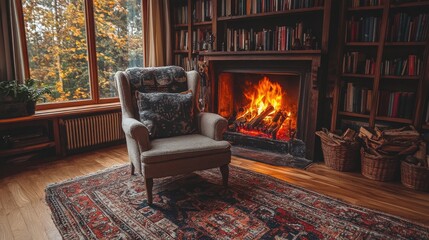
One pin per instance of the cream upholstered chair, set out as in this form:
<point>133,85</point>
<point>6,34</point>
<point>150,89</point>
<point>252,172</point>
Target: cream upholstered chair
<point>155,158</point>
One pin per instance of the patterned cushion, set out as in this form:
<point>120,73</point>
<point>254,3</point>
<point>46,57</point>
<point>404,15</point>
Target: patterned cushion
<point>166,114</point>
<point>170,79</point>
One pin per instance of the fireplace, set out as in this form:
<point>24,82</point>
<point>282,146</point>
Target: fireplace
<point>269,104</point>
<point>261,105</point>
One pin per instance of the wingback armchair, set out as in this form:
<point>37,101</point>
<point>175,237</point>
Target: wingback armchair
<point>168,156</point>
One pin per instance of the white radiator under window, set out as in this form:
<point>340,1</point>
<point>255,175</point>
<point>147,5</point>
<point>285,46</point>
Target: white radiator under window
<point>90,131</point>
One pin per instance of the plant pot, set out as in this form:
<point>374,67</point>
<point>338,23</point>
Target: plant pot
<point>16,109</point>
<point>31,108</point>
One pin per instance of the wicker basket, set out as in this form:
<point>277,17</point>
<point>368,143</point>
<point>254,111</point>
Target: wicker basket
<point>379,168</point>
<point>414,177</point>
<point>341,157</point>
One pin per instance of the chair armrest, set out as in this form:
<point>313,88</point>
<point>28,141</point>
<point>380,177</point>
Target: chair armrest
<point>211,125</point>
<point>137,131</point>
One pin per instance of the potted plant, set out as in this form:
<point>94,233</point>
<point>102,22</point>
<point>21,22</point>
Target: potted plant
<point>18,99</point>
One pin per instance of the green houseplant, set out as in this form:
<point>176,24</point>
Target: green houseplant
<point>17,99</point>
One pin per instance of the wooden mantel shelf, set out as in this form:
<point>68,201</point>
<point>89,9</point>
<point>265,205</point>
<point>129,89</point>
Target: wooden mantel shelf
<point>258,53</point>
<point>303,55</point>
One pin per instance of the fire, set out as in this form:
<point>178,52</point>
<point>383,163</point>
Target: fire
<point>263,95</point>
<point>267,114</point>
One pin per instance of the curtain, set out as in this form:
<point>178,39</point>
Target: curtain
<point>11,58</point>
<point>157,33</point>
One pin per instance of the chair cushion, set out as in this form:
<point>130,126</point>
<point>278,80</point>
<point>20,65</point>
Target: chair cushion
<point>157,79</point>
<point>166,114</point>
<point>193,145</point>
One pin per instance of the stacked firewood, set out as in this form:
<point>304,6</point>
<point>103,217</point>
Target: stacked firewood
<point>392,142</point>
<point>349,136</point>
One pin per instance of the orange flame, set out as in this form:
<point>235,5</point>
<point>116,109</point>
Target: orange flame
<point>262,95</point>
<point>265,93</point>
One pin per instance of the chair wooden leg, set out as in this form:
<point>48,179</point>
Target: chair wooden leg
<point>149,186</point>
<point>224,170</point>
<point>132,168</point>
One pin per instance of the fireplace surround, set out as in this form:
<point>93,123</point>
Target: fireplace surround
<point>235,79</point>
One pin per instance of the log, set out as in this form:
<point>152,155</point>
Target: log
<point>421,153</point>
<point>242,119</point>
<point>277,116</point>
<point>279,125</point>
<point>363,132</point>
<point>256,120</point>
<point>349,135</point>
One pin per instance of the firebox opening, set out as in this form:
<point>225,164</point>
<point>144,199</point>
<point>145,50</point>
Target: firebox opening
<point>260,104</point>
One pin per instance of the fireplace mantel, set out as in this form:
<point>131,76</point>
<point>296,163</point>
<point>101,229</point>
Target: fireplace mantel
<point>297,55</point>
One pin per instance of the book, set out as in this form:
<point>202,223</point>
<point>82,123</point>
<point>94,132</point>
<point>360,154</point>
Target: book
<point>395,104</point>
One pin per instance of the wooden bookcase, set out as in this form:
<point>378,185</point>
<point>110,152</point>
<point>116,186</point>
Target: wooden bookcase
<point>398,97</point>
<point>192,23</point>
<point>315,19</point>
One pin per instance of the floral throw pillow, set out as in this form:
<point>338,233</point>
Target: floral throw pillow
<point>166,114</point>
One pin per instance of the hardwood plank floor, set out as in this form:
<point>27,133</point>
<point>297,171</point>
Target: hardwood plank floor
<point>24,214</point>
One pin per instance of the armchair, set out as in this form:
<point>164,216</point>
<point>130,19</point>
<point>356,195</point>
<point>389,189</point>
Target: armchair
<point>161,157</point>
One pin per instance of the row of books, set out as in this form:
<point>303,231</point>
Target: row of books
<point>363,3</point>
<point>410,66</point>
<point>396,104</point>
<point>356,98</point>
<point>362,29</point>
<point>202,11</point>
<point>247,7</point>
<point>282,38</point>
<point>357,62</point>
<point>407,28</point>
<point>181,40</point>
<point>187,63</point>
<point>198,38</point>
<point>182,14</point>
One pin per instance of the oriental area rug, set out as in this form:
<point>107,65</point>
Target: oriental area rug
<point>112,205</point>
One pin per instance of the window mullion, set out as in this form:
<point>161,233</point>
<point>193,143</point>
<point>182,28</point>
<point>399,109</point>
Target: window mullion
<point>92,51</point>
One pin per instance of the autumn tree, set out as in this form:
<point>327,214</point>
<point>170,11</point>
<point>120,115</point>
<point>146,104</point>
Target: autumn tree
<point>56,35</point>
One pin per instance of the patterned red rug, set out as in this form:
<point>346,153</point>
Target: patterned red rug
<point>112,205</point>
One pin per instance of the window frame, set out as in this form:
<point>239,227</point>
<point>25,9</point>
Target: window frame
<point>92,58</point>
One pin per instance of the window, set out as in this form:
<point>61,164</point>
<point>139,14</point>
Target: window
<point>76,46</point>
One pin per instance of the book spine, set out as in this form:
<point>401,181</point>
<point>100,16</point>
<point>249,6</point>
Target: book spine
<point>395,106</point>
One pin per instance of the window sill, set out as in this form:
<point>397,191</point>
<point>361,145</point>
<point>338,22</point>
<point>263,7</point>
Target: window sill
<point>65,112</point>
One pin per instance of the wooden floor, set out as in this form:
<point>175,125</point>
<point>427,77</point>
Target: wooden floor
<point>24,215</point>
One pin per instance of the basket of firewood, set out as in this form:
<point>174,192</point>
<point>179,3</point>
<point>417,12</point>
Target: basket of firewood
<point>383,151</point>
<point>341,153</point>
<point>415,170</point>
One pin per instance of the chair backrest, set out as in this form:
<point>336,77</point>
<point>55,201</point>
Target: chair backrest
<point>157,79</point>
<point>173,79</point>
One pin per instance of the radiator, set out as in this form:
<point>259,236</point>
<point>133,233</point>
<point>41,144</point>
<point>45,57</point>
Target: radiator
<point>83,132</point>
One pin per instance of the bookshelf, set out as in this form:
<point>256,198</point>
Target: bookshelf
<point>249,23</point>
<point>393,34</point>
<point>192,24</point>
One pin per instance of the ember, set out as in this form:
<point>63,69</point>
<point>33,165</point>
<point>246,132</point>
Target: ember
<point>267,113</point>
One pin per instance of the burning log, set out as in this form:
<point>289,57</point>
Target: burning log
<point>242,119</point>
<point>278,126</point>
<point>277,116</point>
<point>273,123</point>
<point>256,120</point>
